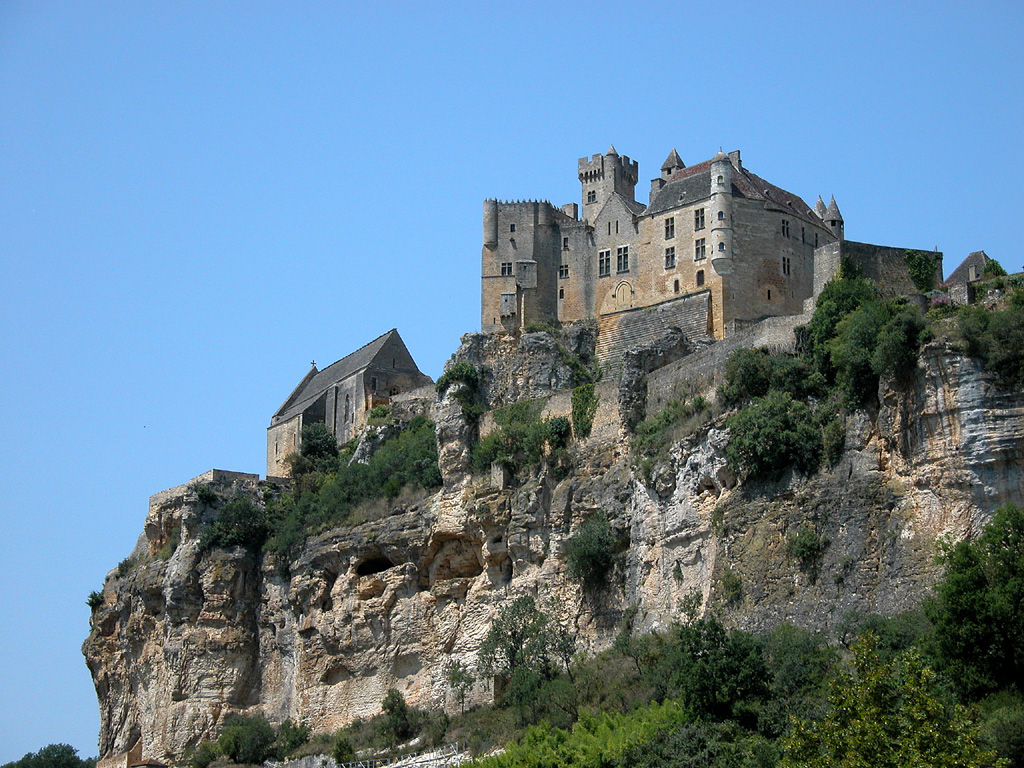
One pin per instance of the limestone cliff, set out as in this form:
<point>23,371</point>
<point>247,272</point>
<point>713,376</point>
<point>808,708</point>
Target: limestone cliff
<point>185,636</point>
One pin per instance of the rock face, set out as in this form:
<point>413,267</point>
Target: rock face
<point>187,636</point>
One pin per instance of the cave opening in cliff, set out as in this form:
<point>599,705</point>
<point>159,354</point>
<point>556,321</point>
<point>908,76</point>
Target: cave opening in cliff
<point>373,565</point>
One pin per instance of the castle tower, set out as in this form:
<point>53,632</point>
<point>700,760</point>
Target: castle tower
<point>605,175</point>
<point>721,214</point>
<point>834,219</point>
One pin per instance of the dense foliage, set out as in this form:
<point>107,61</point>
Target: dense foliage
<point>521,438</point>
<point>590,552</point>
<point>53,756</point>
<point>978,609</point>
<point>329,488</point>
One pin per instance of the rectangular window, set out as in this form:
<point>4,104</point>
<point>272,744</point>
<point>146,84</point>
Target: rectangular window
<point>670,227</point>
<point>700,251</point>
<point>785,265</point>
<point>511,227</point>
<point>563,271</point>
<point>622,259</point>
<point>561,293</point>
<point>591,196</point>
<point>670,258</point>
<point>604,263</point>
<point>698,219</point>
<point>815,239</point>
<point>506,268</point>
<point>565,243</point>
<point>785,228</point>
<point>700,277</point>
<point>803,234</point>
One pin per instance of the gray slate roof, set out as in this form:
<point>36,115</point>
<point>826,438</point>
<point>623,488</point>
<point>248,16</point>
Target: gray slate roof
<point>316,382</point>
<point>691,184</point>
<point>961,274</point>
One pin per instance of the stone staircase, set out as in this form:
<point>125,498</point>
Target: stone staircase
<point>633,327</point>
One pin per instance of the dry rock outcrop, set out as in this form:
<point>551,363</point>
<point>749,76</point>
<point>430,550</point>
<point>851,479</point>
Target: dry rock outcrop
<point>187,635</point>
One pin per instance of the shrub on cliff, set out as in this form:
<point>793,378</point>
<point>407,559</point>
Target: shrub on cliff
<point>241,522</point>
<point>590,553</point>
<point>772,433</point>
<point>997,339</point>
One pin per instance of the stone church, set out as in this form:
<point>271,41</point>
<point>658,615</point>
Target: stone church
<point>342,395</point>
<point>715,246</point>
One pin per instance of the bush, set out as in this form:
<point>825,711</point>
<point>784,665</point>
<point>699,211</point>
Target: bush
<point>203,755</point>
<point>584,408</point>
<point>993,268</point>
<point>770,434</point>
<point>125,567</point>
<point>343,751</point>
<point>838,298</point>
<point>590,553</point>
<point>289,738</point>
<point>978,608</point>
<point>247,740</point>
<point>241,523</point>
<point>833,440</point>
<point>997,338</point>
<point>468,376</point>
<point>95,600</point>
<point>851,350</point>
<point>923,267</point>
<point>806,547</point>
<point>204,492</point>
<point>398,725</point>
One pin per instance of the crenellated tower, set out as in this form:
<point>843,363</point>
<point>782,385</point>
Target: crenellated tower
<point>605,175</point>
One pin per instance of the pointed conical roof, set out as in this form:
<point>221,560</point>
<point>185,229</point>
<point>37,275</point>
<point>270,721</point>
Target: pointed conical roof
<point>720,156</point>
<point>833,214</point>
<point>672,161</point>
<point>611,151</point>
<point>819,208</point>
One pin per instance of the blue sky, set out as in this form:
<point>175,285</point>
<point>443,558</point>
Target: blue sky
<point>197,199</point>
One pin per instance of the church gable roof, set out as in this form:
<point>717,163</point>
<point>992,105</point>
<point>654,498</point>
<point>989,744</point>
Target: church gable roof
<point>962,274</point>
<point>317,382</point>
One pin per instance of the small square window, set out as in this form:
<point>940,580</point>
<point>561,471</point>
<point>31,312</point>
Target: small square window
<point>698,219</point>
<point>604,263</point>
<point>670,227</point>
<point>565,243</point>
<point>721,215</point>
<point>721,246</point>
<point>670,258</point>
<point>511,227</point>
<point>506,268</point>
<point>563,271</point>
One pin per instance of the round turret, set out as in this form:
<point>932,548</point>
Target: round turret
<point>491,223</point>
<point>721,214</point>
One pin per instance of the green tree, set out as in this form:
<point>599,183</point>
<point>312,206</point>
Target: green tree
<point>461,679</point>
<point>978,608</point>
<point>53,756</point>
<point>398,718</point>
<point>770,434</point>
<point>246,739</point>
<point>590,553</point>
<point>887,715</point>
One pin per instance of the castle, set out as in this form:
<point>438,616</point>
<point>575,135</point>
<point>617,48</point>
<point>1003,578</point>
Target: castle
<point>715,245</point>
